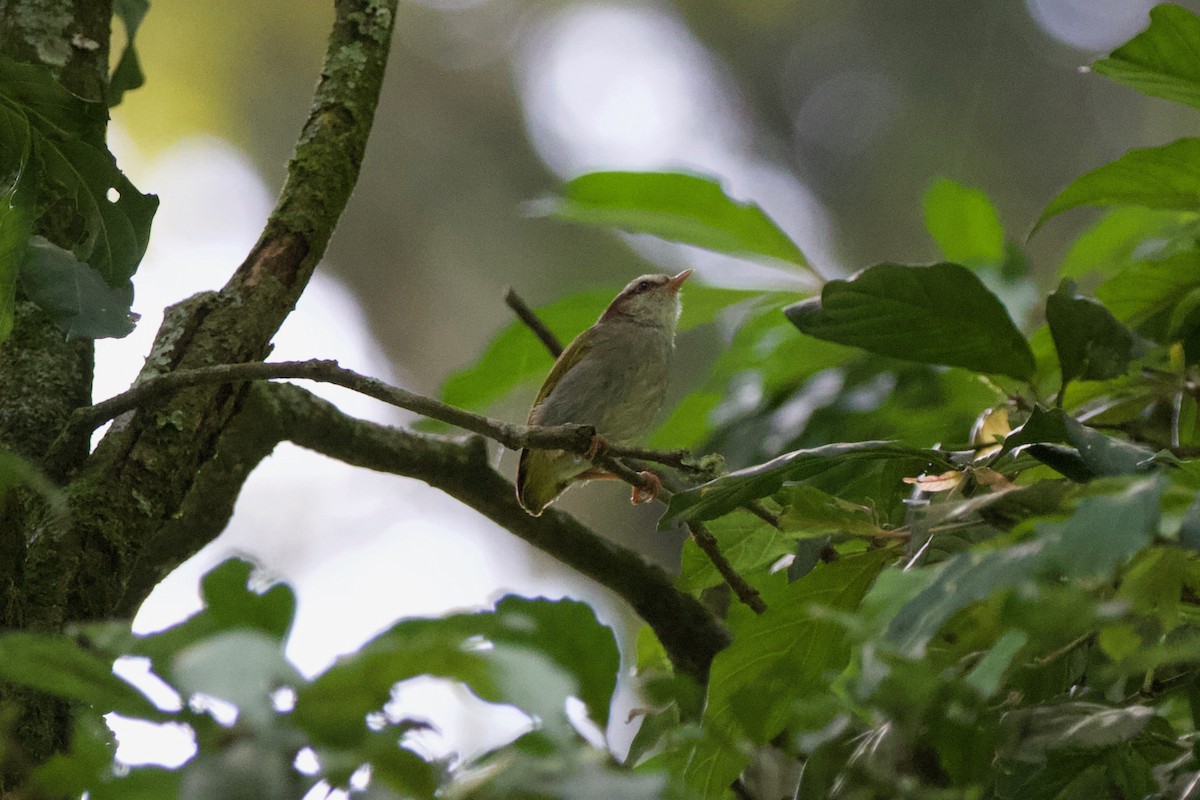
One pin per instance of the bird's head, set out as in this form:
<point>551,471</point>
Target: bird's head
<point>649,300</point>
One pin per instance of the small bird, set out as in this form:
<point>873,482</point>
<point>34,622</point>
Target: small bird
<point>613,376</point>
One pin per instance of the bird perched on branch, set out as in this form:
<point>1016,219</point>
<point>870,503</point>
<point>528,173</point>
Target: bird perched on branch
<point>613,376</point>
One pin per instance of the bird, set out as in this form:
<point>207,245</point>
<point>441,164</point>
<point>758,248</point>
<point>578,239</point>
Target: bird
<point>612,376</point>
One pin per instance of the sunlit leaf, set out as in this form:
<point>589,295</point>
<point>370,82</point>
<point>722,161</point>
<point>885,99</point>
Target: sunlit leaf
<point>1166,177</point>
<point>1146,288</point>
<point>964,223</point>
<point>812,512</point>
<point>1161,61</point>
<point>679,207</point>
<point>937,314</point>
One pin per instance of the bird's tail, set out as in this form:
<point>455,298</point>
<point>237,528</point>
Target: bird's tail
<point>536,486</point>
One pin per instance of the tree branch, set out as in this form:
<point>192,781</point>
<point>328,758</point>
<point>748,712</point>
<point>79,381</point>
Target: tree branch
<point>136,480</point>
<point>532,321</point>
<point>457,465</point>
<point>573,438</point>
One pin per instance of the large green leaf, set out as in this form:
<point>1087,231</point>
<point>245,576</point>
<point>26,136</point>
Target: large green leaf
<point>1161,61</point>
<point>1092,344</point>
<point>1145,288</point>
<point>59,666</point>
<point>1166,177</point>
<point>127,75</point>
<point>964,223</point>
<point>515,357</point>
<point>776,658</point>
<point>1124,235</point>
<point>937,314</point>
<point>1099,453</point>
<point>65,136</point>
<point>720,496</point>
<point>679,207</point>
<point>74,294</point>
<point>519,653</point>
<point>1102,533</point>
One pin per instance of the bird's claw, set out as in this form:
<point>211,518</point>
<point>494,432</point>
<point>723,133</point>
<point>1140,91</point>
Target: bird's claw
<point>651,486</point>
<point>598,446</point>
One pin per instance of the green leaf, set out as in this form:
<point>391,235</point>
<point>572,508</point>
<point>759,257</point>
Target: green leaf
<point>1103,532</point>
<point>533,643</point>
<point>66,137</point>
<point>782,655</point>
<point>1166,177</point>
<point>1044,729</point>
<point>1146,288</point>
<point>987,675</point>
<point>241,667</point>
<point>1160,61</point>
<point>720,496</point>
<point>128,73</point>
<point>812,512</point>
<point>1092,344</point>
<point>1100,454</point>
<point>1124,235</point>
<point>79,300</point>
<point>57,665</point>
<point>964,223</point>
<point>938,314</point>
<point>16,471</point>
<point>516,357</point>
<point>675,206</point>
<point>745,540</point>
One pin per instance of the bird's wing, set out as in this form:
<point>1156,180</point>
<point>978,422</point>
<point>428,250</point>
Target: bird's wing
<point>575,351</point>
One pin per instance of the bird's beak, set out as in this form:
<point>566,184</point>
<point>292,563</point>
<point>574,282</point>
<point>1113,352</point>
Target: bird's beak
<point>678,280</point>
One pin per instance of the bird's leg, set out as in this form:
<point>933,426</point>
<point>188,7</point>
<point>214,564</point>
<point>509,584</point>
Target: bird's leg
<point>649,490</point>
<point>598,446</point>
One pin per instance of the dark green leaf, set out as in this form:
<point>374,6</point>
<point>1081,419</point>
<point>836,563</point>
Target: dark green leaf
<point>964,223</point>
<point>938,314</point>
<point>811,512</point>
<point>128,73</point>
<point>74,294</point>
<point>16,471</point>
<point>1103,532</point>
<point>58,666</point>
<point>1166,177</point>
<point>1092,344</point>
<point>784,654</point>
<point>1161,61</point>
<point>675,206</point>
<point>726,493</point>
<point>67,141</point>
<point>1101,454</point>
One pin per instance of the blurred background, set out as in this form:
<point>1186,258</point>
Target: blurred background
<point>834,115</point>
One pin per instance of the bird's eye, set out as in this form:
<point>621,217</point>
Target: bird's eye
<point>644,286</point>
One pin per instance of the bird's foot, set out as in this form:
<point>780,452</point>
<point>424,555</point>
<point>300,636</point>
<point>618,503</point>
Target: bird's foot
<point>598,446</point>
<point>651,486</point>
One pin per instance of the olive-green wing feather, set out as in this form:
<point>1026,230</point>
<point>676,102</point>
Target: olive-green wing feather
<point>537,479</point>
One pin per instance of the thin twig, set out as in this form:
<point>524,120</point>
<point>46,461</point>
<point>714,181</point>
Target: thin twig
<point>572,438</point>
<point>532,321</point>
